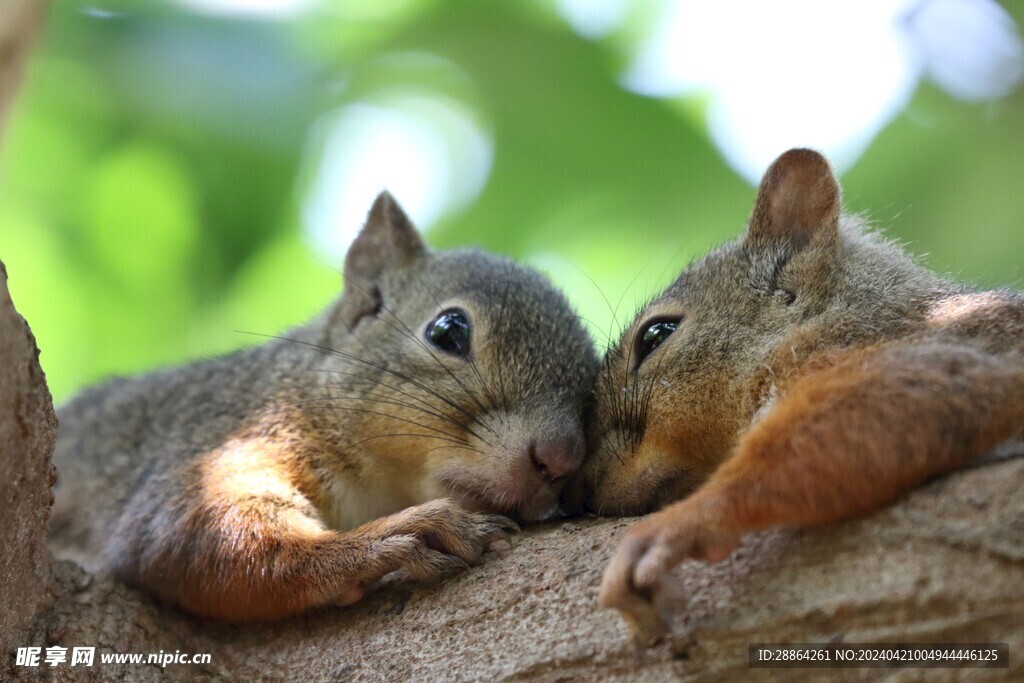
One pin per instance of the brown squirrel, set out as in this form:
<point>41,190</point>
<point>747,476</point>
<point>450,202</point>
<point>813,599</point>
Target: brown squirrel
<point>806,373</point>
<point>441,392</point>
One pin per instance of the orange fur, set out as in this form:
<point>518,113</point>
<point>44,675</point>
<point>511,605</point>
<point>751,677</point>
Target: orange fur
<point>816,374</point>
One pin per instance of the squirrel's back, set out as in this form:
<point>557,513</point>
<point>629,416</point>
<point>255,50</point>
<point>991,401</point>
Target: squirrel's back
<point>108,434</point>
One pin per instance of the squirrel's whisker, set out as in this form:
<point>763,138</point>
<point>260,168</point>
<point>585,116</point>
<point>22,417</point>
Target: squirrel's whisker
<point>462,448</point>
<point>502,388</point>
<point>348,356</point>
<point>451,374</point>
<point>615,319</point>
<point>429,407</point>
<point>395,436</point>
<point>368,398</point>
<point>431,392</point>
<point>628,287</point>
<point>404,329</point>
<point>393,417</point>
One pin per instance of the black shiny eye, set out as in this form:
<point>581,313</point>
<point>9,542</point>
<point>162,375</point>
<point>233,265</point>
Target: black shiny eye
<point>653,336</point>
<point>451,332</point>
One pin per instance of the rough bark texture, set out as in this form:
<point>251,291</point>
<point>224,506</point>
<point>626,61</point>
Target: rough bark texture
<point>28,427</point>
<point>28,430</point>
<point>944,565</point>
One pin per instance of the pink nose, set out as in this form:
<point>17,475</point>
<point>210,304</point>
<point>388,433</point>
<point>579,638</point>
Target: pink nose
<point>555,460</point>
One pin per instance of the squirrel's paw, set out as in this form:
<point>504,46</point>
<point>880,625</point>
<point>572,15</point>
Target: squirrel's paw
<point>440,537</point>
<point>638,581</point>
<point>418,561</point>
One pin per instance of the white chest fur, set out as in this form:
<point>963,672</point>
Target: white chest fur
<point>352,505</point>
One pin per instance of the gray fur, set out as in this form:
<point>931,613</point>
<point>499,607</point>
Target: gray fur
<point>329,393</point>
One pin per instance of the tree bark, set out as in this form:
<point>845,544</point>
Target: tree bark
<point>28,431</point>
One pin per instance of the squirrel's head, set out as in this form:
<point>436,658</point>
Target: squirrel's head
<point>468,373</point>
<point>693,368</point>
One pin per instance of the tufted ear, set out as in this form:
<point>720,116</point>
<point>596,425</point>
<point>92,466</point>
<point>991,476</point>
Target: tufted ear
<point>387,242</point>
<point>798,202</point>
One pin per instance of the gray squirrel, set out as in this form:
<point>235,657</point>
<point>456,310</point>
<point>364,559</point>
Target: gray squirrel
<point>808,372</point>
<point>441,394</point>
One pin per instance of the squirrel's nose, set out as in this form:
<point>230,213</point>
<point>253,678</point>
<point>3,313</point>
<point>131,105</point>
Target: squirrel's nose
<point>555,459</point>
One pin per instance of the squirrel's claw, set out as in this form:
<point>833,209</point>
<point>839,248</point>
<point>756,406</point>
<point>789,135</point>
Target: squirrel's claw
<point>500,536</point>
<point>635,603</point>
<point>504,523</point>
<point>500,529</point>
<point>638,582</point>
<point>457,564</point>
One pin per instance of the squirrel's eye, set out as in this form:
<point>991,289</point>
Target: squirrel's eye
<point>450,331</point>
<point>653,336</point>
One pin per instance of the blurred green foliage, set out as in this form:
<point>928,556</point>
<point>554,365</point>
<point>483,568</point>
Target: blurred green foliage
<point>153,168</point>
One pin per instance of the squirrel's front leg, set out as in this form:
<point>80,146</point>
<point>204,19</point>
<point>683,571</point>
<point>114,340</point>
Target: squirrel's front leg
<point>842,442</point>
<point>237,541</point>
<point>286,569</point>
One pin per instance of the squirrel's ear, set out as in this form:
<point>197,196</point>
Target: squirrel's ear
<point>798,202</point>
<point>388,241</point>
